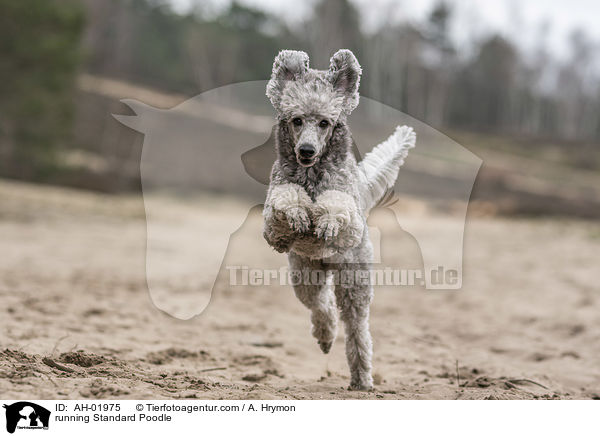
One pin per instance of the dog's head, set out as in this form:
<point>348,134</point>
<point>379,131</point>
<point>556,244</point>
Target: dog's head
<point>312,102</point>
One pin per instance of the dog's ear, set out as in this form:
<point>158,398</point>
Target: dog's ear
<point>288,65</point>
<point>344,74</point>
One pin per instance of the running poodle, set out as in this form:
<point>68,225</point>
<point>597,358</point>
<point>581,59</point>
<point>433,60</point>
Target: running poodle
<point>319,197</point>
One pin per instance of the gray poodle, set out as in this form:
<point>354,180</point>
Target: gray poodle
<point>319,197</point>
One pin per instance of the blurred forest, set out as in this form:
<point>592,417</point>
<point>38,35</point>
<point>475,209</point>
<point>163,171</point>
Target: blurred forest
<point>415,69</point>
<point>55,124</point>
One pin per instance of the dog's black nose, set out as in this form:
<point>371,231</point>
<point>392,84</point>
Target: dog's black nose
<point>306,151</point>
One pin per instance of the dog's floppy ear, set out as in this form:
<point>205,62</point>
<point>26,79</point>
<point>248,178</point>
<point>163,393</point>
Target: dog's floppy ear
<point>344,74</point>
<point>288,65</point>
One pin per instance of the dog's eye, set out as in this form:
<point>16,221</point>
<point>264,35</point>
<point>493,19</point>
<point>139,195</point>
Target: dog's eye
<point>323,123</point>
<point>297,121</point>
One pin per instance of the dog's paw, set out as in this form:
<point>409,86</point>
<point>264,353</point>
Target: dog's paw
<point>327,227</point>
<point>361,385</point>
<point>325,346</point>
<point>298,219</point>
<point>290,202</point>
<point>351,235</point>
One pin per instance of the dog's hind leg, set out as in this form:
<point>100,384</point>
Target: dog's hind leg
<point>309,279</point>
<point>353,301</point>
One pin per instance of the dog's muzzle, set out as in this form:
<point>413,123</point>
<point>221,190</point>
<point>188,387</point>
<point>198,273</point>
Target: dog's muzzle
<point>306,155</point>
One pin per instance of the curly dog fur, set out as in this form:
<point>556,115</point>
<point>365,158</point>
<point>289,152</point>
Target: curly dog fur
<point>319,197</point>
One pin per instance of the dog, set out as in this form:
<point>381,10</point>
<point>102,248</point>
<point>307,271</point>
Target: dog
<point>319,197</point>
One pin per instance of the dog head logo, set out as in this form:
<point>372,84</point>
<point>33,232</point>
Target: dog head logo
<point>222,141</point>
<point>26,415</point>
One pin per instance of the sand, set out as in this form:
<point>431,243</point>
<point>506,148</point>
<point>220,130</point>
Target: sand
<point>78,320</point>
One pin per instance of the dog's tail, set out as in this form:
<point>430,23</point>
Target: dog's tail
<point>378,170</point>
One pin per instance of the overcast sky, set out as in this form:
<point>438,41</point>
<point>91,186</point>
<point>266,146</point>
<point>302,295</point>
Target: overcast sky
<point>521,21</point>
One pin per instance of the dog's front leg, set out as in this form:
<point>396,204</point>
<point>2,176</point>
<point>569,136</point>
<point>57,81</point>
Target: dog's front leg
<point>337,219</point>
<point>286,213</point>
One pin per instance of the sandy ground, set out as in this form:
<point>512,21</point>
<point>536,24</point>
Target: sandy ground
<point>77,320</point>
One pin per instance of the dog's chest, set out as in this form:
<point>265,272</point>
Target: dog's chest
<point>317,182</point>
<point>320,178</point>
